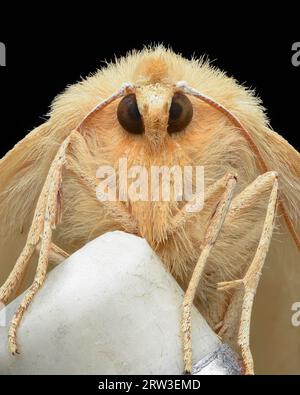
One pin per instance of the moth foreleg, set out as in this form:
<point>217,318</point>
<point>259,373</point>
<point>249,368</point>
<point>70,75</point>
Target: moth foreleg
<point>210,238</point>
<point>238,316</point>
<point>45,220</point>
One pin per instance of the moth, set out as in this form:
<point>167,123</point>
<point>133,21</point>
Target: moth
<point>155,108</point>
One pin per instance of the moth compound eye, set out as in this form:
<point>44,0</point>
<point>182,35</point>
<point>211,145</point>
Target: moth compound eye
<point>129,116</point>
<point>180,114</point>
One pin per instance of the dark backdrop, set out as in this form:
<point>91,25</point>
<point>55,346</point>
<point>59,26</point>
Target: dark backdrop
<point>48,48</point>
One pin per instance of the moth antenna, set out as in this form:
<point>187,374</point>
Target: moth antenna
<point>125,89</point>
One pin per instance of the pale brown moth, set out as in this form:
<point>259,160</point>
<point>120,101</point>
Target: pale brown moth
<point>249,225</point>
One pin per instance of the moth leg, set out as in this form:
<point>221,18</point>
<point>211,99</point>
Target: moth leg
<point>56,254</point>
<point>34,233</point>
<point>16,275</point>
<point>180,219</point>
<point>210,238</point>
<point>46,217</point>
<point>238,315</point>
<point>45,220</point>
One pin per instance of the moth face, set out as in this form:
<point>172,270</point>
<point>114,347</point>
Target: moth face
<point>155,111</point>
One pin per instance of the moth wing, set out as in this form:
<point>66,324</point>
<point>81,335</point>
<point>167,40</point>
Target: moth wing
<point>279,155</point>
<point>275,340</point>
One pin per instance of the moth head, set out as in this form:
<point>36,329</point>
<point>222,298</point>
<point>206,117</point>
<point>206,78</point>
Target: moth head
<point>157,117</point>
<point>155,111</point>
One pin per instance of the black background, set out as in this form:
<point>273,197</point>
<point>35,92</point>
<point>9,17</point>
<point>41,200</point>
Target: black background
<point>49,48</point>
